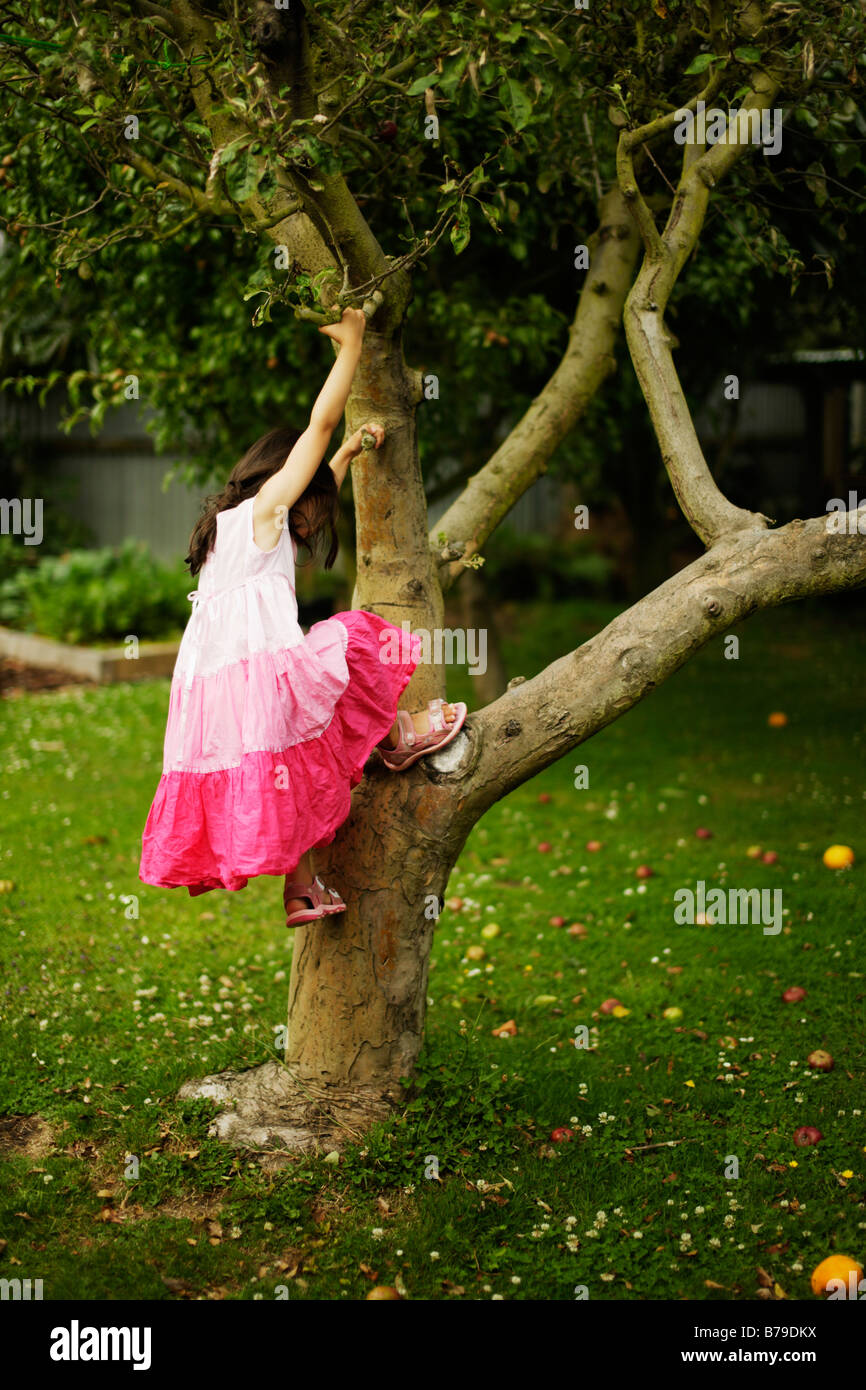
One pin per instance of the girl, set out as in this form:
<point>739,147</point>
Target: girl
<point>268,729</point>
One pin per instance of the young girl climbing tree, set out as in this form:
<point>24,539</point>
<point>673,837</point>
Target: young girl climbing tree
<point>268,728</point>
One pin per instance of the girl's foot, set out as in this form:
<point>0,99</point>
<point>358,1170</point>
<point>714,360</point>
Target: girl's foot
<point>308,904</point>
<point>421,722</point>
<point>422,733</point>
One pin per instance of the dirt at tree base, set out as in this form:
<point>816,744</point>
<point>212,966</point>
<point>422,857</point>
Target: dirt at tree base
<point>274,1114</point>
<point>25,1136</point>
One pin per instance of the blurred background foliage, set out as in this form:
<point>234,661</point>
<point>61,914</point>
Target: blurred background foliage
<point>102,275</point>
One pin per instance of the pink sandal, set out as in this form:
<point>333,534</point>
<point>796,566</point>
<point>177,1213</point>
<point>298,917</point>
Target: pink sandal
<point>411,745</point>
<point>313,891</point>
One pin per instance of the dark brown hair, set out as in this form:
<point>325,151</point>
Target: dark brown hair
<point>319,500</point>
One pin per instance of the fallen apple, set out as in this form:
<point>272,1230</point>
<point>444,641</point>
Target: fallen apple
<point>769,856</point>
<point>673,1014</point>
<point>489,930</point>
<point>836,1267</point>
<point>577,929</point>
<point>807,1135</point>
<point>819,1060</point>
<point>794,994</point>
<point>544,797</point>
<point>544,847</point>
<point>644,871</point>
<point>754,852</point>
<point>593,846</point>
<point>703,834</point>
<point>454,904</point>
<point>609,1005</point>
<point>777,720</point>
<point>381,1291</point>
<point>557,921</point>
<point>561,1135</point>
<point>475,953</point>
<point>839,857</point>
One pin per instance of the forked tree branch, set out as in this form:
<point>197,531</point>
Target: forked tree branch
<point>710,514</point>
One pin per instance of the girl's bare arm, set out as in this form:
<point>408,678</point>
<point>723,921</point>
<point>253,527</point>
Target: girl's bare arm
<point>281,491</point>
<point>351,448</point>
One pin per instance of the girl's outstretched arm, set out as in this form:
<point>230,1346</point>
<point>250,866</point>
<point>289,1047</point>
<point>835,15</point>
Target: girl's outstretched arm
<point>282,490</point>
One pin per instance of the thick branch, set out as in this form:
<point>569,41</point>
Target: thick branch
<point>705,507</point>
<point>194,196</point>
<point>523,456</point>
<point>543,719</point>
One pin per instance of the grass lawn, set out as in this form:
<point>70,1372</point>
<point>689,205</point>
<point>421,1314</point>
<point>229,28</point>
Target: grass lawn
<point>119,1193</point>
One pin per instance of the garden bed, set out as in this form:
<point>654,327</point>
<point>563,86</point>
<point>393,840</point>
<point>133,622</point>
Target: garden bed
<point>104,665</point>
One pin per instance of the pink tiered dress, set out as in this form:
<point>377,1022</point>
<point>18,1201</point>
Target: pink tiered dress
<point>268,729</point>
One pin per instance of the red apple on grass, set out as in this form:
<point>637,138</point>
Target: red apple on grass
<point>557,921</point>
<point>561,1135</point>
<point>543,847</point>
<point>703,834</point>
<point>609,1005</point>
<point>593,846</point>
<point>544,797</point>
<point>644,871</point>
<point>794,995</point>
<point>577,929</point>
<point>807,1135</point>
<point>769,857</point>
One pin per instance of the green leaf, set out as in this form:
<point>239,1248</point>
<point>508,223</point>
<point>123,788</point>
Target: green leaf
<point>748,54</point>
<point>422,83</point>
<point>460,233</point>
<point>242,177</point>
<point>231,151</point>
<point>453,71</point>
<point>701,63</point>
<point>267,184</point>
<point>516,101</point>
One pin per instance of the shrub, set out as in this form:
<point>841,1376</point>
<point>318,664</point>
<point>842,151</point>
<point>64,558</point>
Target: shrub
<point>98,595</point>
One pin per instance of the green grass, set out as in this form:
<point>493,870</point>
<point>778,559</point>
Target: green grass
<point>105,1014</point>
